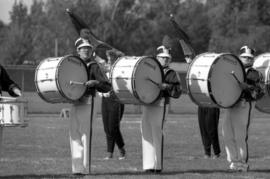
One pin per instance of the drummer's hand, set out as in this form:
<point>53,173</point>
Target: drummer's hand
<point>91,83</point>
<point>17,91</point>
<point>164,86</point>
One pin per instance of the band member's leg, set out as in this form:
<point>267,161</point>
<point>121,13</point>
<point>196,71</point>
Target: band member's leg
<point>202,118</point>
<point>241,130</point>
<point>148,151</point>
<point>228,134</point>
<point>152,136</point>
<point>79,137</point>
<point>76,145</point>
<point>212,120</point>
<point>1,139</point>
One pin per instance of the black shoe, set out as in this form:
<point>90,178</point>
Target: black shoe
<point>79,174</point>
<point>149,171</point>
<point>157,171</point>
<point>153,171</point>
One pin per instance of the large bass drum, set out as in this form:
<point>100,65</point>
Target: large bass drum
<point>53,79</point>
<point>134,79</point>
<point>262,64</point>
<point>212,80</point>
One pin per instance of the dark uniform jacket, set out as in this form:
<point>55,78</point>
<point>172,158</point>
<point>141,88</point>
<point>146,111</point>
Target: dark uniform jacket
<point>6,84</point>
<point>256,88</point>
<point>174,90</point>
<point>95,73</point>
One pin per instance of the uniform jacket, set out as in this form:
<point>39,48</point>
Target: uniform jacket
<point>95,73</point>
<point>256,90</point>
<point>6,84</point>
<point>174,90</point>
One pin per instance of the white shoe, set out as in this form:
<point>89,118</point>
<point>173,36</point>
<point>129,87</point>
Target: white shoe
<point>244,167</point>
<point>234,166</point>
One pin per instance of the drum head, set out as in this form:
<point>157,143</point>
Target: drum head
<point>223,86</point>
<point>71,68</point>
<point>147,72</point>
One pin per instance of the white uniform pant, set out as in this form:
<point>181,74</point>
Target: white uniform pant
<point>235,131</point>
<point>152,136</point>
<point>79,136</point>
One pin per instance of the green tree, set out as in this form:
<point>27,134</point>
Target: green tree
<point>17,44</point>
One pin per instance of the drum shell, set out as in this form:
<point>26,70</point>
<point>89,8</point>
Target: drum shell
<point>13,113</point>
<point>262,64</point>
<point>129,79</point>
<point>204,80</point>
<point>52,80</point>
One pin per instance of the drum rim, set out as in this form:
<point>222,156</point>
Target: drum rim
<point>66,99</point>
<point>37,88</point>
<point>132,75</point>
<point>133,82</point>
<point>208,83</point>
<point>210,74</point>
<point>187,78</point>
<point>57,76</point>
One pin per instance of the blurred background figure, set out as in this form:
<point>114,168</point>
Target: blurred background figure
<point>112,113</point>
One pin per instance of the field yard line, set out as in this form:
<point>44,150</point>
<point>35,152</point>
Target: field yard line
<point>139,122</point>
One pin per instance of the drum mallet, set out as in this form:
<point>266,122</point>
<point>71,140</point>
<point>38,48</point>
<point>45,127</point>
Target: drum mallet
<point>235,77</point>
<point>76,83</point>
<point>149,79</point>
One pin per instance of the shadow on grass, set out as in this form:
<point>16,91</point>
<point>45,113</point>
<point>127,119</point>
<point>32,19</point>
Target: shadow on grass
<point>30,176</point>
<point>128,173</point>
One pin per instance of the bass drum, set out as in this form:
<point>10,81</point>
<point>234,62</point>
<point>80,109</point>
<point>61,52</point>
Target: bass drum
<point>262,64</point>
<point>53,79</point>
<point>212,80</point>
<point>134,79</point>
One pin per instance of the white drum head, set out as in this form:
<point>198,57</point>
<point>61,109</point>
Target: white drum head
<point>147,72</point>
<point>224,87</point>
<point>71,68</point>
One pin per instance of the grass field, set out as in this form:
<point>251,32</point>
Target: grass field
<point>41,150</point>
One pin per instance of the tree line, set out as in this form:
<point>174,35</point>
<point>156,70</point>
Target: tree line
<point>136,27</point>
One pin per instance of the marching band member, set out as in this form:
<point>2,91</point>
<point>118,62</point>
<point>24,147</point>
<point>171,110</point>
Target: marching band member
<point>83,112</point>
<point>154,116</point>
<point>8,85</point>
<point>238,118</point>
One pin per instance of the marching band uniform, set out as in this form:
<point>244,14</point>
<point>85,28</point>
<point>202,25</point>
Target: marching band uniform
<point>84,111</point>
<point>154,116</point>
<point>8,85</point>
<point>238,118</point>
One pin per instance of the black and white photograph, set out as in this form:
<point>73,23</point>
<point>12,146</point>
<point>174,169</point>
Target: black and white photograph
<point>124,89</point>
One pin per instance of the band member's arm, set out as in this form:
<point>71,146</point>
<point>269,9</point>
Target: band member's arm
<point>98,79</point>
<point>9,85</point>
<point>173,86</point>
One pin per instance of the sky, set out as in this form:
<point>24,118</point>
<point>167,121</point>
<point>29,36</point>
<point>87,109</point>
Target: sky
<point>6,6</point>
